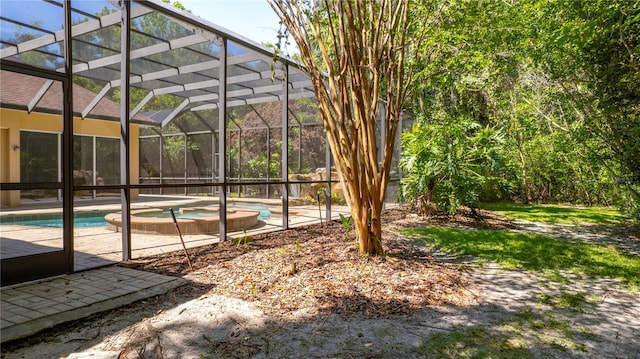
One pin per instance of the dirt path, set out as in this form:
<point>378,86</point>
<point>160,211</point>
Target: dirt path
<point>499,313</point>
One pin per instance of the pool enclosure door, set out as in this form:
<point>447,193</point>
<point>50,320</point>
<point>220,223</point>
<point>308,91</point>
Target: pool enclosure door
<point>35,154</point>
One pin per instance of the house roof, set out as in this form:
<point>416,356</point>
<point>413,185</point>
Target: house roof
<point>22,92</point>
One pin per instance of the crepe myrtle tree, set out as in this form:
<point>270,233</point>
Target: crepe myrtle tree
<point>354,52</point>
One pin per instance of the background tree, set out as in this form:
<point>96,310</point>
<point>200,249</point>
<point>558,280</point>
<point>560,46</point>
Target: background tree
<point>592,51</point>
<point>354,52</point>
<point>561,81</point>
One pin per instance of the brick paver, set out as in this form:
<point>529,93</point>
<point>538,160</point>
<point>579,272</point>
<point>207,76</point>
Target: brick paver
<point>29,308</point>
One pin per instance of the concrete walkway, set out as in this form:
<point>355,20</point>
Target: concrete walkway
<point>29,308</point>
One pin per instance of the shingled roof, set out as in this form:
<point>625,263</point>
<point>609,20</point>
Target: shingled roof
<point>17,91</point>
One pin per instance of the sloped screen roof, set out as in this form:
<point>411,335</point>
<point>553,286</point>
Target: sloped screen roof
<point>174,58</point>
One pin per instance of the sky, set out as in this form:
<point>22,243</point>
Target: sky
<point>253,19</point>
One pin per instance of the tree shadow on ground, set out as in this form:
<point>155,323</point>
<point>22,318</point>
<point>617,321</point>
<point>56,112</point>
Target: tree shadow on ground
<point>345,330</point>
<point>172,264</point>
<point>91,329</point>
<point>533,252</point>
<point>192,322</point>
<point>197,320</point>
<point>556,213</point>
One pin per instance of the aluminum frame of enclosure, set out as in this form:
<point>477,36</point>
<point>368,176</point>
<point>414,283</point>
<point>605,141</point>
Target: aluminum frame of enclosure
<point>144,61</point>
<point>172,74</point>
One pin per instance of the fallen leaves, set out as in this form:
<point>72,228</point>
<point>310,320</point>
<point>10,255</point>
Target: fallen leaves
<point>318,267</point>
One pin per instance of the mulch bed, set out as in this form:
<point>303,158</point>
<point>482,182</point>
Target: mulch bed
<point>317,269</point>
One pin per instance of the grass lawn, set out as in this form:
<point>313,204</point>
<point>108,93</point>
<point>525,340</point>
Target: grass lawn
<point>556,213</point>
<point>551,257</point>
<point>534,252</point>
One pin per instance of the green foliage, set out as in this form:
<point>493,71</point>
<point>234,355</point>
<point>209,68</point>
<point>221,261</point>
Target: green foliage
<point>258,167</point>
<point>347,222</point>
<point>511,338</point>
<point>336,198</point>
<point>560,78</point>
<point>244,240</point>
<point>449,164</point>
<point>41,59</point>
<point>629,204</point>
<point>472,342</point>
<point>556,214</point>
<point>535,252</point>
<point>173,154</point>
<point>546,328</point>
<point>576,301</point>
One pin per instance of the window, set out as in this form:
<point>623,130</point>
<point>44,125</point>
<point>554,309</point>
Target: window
<point>39,152</point>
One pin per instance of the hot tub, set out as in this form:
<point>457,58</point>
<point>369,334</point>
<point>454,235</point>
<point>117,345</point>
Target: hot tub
<point>196,220</point>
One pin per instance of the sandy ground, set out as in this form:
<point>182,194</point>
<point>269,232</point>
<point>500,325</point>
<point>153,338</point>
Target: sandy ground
<point>500,313</point>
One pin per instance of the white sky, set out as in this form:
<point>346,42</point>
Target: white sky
<point>253,19</point>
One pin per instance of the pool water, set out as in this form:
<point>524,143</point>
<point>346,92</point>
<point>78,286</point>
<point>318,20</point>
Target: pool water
<point>265,213</point>
<point>97,219</point>
<point>195,214</point>
<point>82,222</point>
<point>185,215</point>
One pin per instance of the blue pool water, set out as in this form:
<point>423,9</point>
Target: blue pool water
<point>186,215</point>
<point>264,212</point>
<point>97,221</point>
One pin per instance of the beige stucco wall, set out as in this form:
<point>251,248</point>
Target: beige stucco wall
<point>12,121</point>
<point>5,152</point>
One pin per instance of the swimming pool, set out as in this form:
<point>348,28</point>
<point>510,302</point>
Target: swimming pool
<point>92,219</point>
<point>96,218</point>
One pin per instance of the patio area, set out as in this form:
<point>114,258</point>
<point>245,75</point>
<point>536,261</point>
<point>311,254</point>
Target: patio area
<point>31,307</point>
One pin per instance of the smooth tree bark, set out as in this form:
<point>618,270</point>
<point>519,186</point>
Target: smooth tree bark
<point>354,51</point>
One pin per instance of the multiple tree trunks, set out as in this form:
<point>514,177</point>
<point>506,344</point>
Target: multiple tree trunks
<point>354,52</point>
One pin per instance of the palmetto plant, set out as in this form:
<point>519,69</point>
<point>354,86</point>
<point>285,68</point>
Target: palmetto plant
<point>448,164</point>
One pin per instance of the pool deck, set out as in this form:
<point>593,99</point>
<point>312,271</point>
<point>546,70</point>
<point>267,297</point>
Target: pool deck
<point>29,308</point>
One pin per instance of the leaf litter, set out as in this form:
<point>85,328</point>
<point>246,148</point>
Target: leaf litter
<point>329,275</point>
